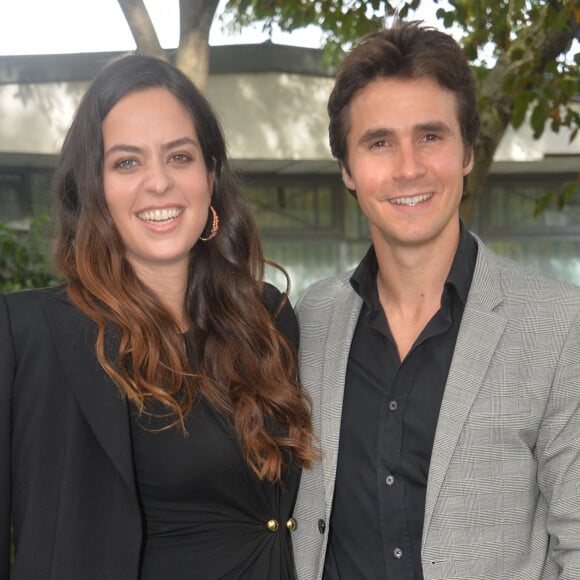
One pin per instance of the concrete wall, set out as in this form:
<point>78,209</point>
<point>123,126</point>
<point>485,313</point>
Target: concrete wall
<point>273,121</point>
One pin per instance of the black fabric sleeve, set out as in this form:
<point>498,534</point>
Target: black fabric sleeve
<point>7,371</point>
<point>285,320</point>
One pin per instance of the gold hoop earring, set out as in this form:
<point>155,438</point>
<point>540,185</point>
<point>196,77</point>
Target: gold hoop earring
<point>215,225</point>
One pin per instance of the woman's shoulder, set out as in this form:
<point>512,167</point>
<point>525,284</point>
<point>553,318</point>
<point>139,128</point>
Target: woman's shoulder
<point>34,298</point>
<point>29,309</point>
<point>280,308</point>
<point>271,297</point>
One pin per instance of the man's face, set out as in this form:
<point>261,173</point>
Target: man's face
<point>407,160</point>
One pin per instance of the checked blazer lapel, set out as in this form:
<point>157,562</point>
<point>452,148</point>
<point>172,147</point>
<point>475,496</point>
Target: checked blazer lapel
<point>343,320</point>
<point>326,328</point>
<point>99,398</point>
<point>479,334</point>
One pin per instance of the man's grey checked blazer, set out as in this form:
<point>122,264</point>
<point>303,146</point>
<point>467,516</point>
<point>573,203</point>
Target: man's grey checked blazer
<point>503,495</point>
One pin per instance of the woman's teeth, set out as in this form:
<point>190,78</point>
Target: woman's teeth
<point>159,215</point>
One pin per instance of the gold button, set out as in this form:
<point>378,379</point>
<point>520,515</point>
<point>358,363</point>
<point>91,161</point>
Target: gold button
<point>272,525</point>
<point>291,524</point>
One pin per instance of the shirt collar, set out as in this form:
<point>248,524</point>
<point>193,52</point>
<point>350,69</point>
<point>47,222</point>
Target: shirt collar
<point>363,279</point>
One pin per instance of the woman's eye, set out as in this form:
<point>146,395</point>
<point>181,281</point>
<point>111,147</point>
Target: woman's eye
<point>125,163</point>
<point>181,157</point>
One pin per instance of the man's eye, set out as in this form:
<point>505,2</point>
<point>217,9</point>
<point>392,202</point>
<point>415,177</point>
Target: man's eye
<point>379,144</point>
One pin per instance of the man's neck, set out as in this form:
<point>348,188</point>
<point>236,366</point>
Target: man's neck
<point>410,283</point>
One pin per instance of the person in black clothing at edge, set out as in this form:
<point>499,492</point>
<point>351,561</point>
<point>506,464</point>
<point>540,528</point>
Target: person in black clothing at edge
<point>445,380</point>
<point>151,422</point>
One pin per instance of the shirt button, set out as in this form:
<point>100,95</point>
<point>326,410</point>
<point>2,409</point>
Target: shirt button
<point>272,525</point>
<point>393,405</point>
<point>390,479</point>
<point>321,526</point>
<point>398,553</point>
<point>291,524</point>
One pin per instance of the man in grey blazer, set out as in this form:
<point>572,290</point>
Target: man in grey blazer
<point>445,380</point>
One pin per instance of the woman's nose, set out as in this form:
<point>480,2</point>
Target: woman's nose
<point>158,180</point>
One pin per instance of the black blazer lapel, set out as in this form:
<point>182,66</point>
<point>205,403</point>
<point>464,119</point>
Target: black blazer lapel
<point>99,398</point>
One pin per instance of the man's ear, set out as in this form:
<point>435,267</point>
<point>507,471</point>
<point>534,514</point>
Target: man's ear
<point>468,161</point>
<point>346,177</point>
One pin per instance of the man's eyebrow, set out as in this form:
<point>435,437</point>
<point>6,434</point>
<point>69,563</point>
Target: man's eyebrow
<point>375,135</point>
<point>433,127</point>
<point>384,133</point>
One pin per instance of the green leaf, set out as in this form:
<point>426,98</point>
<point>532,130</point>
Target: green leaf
<point>542,203</point>
<point>567,192</point>
<point>24,260</point>
<point>516,53</point>
<point>539,117</point>
<point>521,103</point>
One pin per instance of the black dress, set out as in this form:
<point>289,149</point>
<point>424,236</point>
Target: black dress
<point>205,514</point>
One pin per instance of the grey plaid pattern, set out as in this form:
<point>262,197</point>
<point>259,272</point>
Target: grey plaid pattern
<point>503,497</point>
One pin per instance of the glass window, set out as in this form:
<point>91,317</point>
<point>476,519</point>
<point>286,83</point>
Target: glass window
<point>12,203</point>
<point>286,207</point>
<point>23,194</point>
<point>548,242</point>
<point>310,225</point>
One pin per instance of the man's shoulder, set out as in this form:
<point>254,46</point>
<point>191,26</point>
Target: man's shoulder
<point>521,283</point>
<point>329,299</point>
<point>326,290</point>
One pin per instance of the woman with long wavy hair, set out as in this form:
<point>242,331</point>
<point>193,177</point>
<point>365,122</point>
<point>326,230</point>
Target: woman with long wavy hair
<point>151,421</point>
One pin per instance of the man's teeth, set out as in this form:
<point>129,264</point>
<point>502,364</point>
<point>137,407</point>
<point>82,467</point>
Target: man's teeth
<point>411,200</point>
<point>159,215</point>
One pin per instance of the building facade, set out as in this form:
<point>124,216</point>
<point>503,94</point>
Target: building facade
<point>271,100</point>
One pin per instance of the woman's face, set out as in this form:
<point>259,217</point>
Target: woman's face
<point>157,186</point>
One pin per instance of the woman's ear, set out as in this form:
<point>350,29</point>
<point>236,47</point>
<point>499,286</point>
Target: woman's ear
<point>211,172</point>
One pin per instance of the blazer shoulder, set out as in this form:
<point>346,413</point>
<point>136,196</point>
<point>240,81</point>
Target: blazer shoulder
<point>518,280</point>
<point>325,290</point>
<point>28,309</point>
<point>35,297</point>
<point>514,283</point>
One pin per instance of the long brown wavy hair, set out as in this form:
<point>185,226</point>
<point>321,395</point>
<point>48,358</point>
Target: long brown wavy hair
<point>243,365</point>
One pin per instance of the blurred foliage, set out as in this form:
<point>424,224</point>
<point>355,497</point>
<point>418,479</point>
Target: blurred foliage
<point>520,51</point>
<point>559,198</point>
<point>543,83</point>
<point>25,256</point>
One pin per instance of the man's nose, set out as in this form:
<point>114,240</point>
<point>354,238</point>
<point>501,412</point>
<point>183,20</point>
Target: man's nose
<point>409,164</point>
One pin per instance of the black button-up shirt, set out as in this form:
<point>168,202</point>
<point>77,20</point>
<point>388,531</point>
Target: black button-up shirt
<point>389,417</point>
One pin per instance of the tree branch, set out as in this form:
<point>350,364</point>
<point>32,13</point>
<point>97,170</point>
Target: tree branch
<point>142,28</point>
<point>192,56</point>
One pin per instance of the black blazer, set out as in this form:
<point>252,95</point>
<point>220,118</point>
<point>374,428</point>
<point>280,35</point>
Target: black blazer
<point>65,447</point>
<point>69,466</point>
